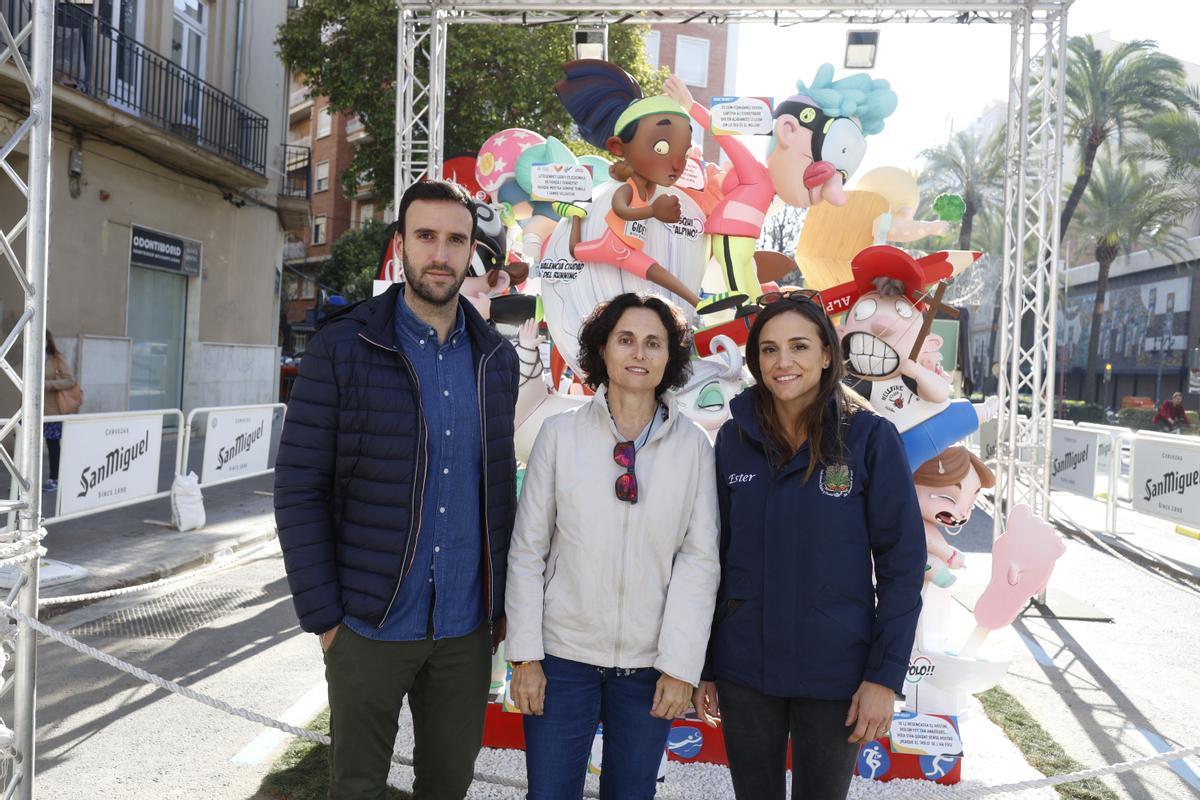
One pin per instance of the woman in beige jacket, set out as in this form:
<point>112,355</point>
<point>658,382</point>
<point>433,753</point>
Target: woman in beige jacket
<point>613,566</point>
<point>57,378</point>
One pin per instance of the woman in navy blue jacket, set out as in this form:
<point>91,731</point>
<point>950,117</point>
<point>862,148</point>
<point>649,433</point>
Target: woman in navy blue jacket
<point>814,491</point>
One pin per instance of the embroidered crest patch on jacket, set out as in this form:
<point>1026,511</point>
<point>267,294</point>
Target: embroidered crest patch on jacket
<point>837,480</point>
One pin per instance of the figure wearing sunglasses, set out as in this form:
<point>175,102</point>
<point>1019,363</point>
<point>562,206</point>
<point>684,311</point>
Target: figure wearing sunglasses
<point>814,497</point>
<point>816,145</point>
<point>613,567</point>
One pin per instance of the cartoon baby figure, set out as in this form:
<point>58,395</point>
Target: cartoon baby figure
<point>947,486</point>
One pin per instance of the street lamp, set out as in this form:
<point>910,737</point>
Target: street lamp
<point>591,41</point>
<point>860,49</point>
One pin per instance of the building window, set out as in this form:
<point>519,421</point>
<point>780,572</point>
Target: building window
<point>324,122</point>
<point>318,230</point>
<point>321,176</point>
<point>691,60</point>
<point>653,39</point>
<point>366,213</point>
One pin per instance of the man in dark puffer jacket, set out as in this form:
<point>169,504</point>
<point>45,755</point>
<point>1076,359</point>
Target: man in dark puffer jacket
<point>394,498</point>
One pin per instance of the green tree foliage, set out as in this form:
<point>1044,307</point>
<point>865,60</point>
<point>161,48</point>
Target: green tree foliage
<point>972,167</point>
<point>354,260</point>
<point>1110,95</point>
<point>497,76</point>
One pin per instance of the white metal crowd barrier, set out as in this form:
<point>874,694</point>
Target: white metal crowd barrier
<point>110,460</point>
<point>239,441</point>
<point>1163,476</point>
<point>115,459</point>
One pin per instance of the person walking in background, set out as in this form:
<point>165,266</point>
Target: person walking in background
<point>613,568</point>
<point>57,379</point>
<point>814,491</point>
<point>395,491</point>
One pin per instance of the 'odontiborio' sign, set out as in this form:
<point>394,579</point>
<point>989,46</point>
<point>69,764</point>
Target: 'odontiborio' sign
<point>236,443</point>
<point>106,461</point>
<point>1166,480</point>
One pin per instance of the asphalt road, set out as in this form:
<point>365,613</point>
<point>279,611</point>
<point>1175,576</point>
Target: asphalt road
<point>102,733</point>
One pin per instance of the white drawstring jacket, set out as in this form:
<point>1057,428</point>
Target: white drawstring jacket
<point>605,582</point>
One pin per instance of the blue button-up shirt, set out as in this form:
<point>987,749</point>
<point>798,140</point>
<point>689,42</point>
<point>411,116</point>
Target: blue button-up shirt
<point>442,594</point>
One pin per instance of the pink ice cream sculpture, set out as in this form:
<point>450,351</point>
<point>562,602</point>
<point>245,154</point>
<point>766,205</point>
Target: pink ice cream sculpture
<point>1023,558</point>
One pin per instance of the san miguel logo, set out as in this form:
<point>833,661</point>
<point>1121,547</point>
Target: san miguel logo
<point>119,459</point>
<point>1171,482</point>
<point>241,444</point>
<point>1070,460</point>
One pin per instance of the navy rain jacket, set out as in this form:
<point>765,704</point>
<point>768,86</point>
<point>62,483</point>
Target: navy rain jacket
<point>797,613</point>
<point>353,461</point>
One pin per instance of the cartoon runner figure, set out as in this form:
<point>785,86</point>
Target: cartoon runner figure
<point>651,137</point>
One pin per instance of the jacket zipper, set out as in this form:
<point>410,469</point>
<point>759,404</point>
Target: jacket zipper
<point>621,587</point>
<point>414,521</point>
<point>487,537</point>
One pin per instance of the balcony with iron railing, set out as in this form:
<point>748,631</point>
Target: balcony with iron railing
<point>97,60</point>
<point>295,188</point>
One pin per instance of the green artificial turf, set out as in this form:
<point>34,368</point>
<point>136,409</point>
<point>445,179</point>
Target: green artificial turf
<point>1038,747</point>
<point>302,772</point>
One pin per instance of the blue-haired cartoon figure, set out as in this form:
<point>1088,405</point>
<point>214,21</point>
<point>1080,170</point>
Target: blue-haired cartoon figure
<point>817,142</point>
<point>650,136</point>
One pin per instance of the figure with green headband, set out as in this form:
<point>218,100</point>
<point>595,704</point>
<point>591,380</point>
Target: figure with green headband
<point>650,136</point>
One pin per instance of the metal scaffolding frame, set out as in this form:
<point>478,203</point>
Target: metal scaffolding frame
<point>24,509</point>
<point>1033,162</point>
<point>1031,243</point>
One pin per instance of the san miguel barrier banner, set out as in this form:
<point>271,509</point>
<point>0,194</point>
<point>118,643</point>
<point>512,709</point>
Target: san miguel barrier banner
<point>236,443</point>
<point>1073,460</point>
<point>1166,480</point>
<point>106,461</point>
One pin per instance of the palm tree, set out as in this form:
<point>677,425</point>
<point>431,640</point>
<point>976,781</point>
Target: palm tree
<point>970,166</point>
<point>1175,144</point>
<point>1126,209</point>
<point>1110,94</point>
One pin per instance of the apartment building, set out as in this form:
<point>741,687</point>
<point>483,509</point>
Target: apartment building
<point>331,137</point>
<point>171,191</point>
<point>705,57</point>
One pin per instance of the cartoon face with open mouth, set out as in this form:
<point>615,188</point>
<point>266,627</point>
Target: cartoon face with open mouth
<point>878,334</point>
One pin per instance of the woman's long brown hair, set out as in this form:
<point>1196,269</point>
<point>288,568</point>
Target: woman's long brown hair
<point>820,424</point>
<point>51,349</point>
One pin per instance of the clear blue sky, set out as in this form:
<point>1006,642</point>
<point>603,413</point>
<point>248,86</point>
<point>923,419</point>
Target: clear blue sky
<point>944,74</point>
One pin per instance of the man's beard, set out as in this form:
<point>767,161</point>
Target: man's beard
<point>433,295</point>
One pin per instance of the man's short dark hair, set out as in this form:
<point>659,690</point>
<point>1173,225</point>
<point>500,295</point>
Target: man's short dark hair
<point>599,325</point>
<point>442,191</point>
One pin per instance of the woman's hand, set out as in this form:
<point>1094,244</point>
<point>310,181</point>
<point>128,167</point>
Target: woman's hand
<point>671,697</point>
<point>872,707</point>
<point>529,688</point>
<point>328,636</point>
<point>704,700</point>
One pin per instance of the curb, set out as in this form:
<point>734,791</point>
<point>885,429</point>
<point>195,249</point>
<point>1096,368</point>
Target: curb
<point>267,534</point>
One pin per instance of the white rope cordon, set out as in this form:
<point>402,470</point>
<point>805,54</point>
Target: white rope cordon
<point>37,552</point>
<point>141,587</point>
<point>516,783</point>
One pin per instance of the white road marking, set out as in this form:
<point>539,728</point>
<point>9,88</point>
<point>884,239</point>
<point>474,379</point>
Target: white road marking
<point>301,713</point>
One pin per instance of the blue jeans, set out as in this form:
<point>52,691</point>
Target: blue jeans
<point>557,744</point>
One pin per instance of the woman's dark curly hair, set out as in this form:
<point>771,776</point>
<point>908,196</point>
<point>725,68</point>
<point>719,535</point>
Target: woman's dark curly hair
<point>599,325</point>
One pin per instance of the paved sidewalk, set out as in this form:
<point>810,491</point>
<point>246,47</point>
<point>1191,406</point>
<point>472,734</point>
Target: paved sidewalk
<point>120,548</point>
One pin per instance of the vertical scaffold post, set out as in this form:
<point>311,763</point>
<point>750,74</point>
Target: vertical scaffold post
<point>420,94</point>
<point>29,43</point>
<point>1032,204</point>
